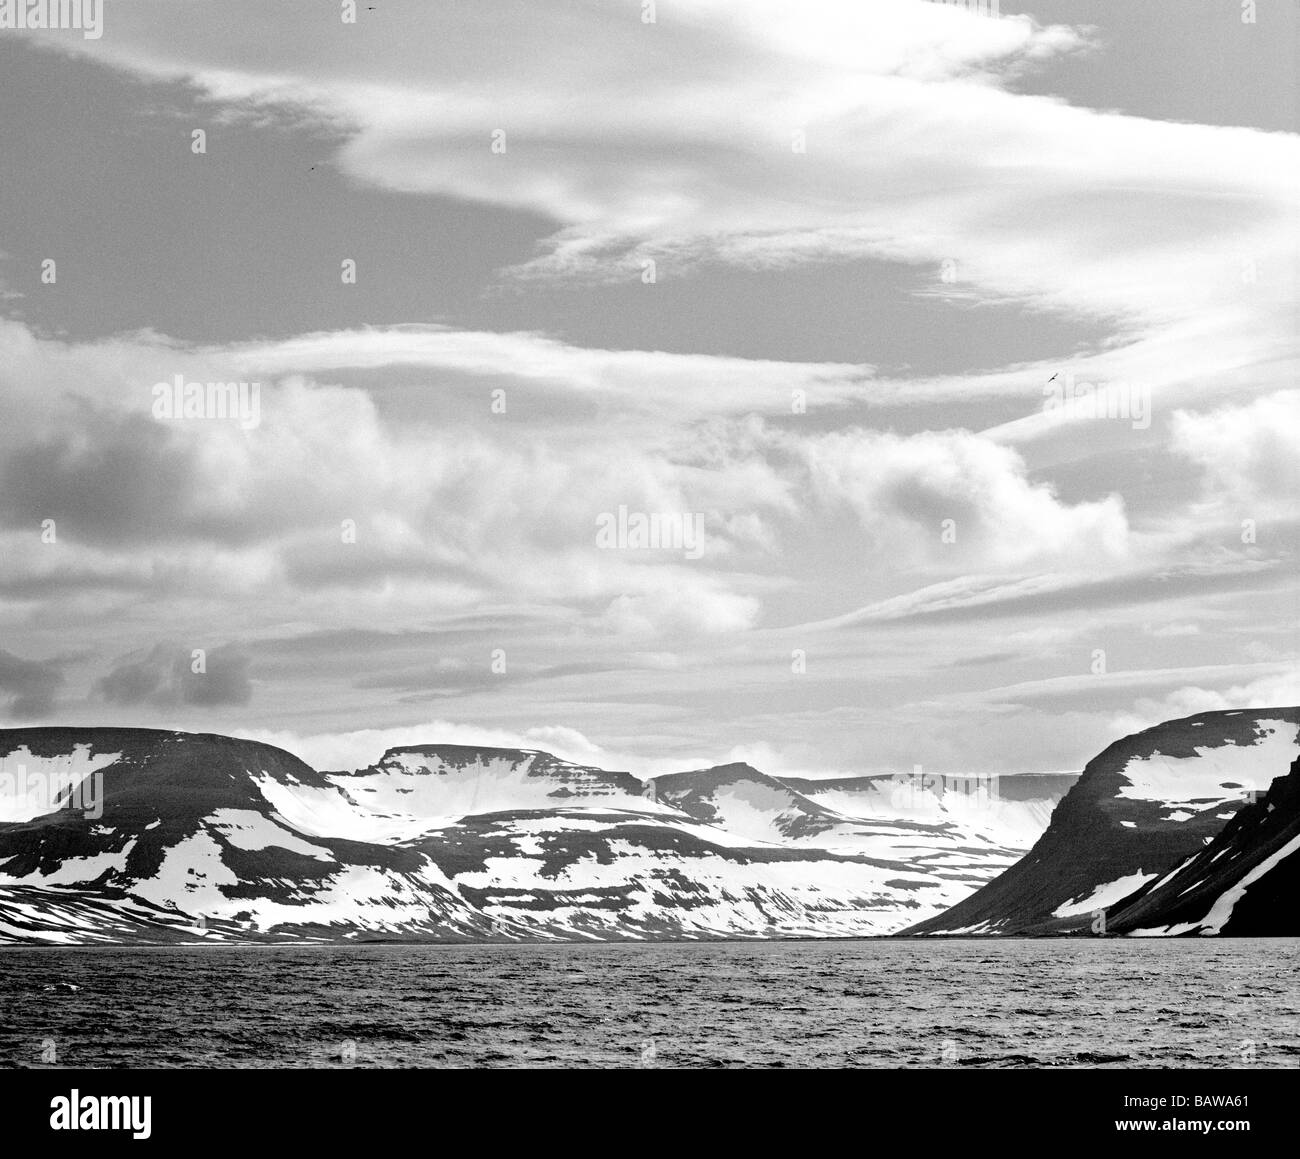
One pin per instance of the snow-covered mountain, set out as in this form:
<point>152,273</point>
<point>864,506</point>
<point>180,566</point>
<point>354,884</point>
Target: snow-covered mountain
<point>134,834</point>
<point>953,826</point>
<point>1143,811</point>
<point>1010,811</point>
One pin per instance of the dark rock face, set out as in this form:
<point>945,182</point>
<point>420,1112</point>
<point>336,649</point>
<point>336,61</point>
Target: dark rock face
<point>1246,882</point>
<point>1142,808</point>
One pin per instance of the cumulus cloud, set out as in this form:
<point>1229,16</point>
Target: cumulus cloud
<point>1276,690</point>
<point>1250,454</point>
<point>958,496</point>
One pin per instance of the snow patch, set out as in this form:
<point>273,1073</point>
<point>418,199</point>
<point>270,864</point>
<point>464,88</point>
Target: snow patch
<point>1198,781</point>
<point>247,829</point>
<point>1104,895</point>
<point>32,786</point>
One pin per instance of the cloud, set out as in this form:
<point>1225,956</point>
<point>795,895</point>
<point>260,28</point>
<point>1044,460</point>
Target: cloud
<point>679,611</point>
<point>168,675</point>
<point>1250,454</point>
<point>347,751</point>
<point>1275,690</point>
<point>905,99</point>
<point>30,684</point>
<point>112,478</point>
<point>753,134</point>
<point>1163,631</point>
<point>976,597</point>
<point>957,497</point>
<point>640,382</point>
<point>331,495</point>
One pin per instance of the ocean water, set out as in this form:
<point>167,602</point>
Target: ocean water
<point>1031,1003</point>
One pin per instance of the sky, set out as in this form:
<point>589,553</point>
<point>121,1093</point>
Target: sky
<point>958,351</point>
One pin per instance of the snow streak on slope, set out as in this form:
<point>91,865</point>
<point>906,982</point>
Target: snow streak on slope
<point>1106,894</point>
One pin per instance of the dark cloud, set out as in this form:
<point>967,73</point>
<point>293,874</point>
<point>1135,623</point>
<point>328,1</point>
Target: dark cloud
<point>166,676</point>
<point>114,479</point>
<point>30,684</point>
<point>121,480</point>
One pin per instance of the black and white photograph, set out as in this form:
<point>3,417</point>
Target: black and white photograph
<point>650,535</point>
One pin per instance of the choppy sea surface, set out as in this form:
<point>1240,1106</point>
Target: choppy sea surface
<point>1032,1003</point>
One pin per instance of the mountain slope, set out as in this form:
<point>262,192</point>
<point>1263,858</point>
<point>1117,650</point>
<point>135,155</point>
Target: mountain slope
<point>1141,808</point>
<point>1246,882</point>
